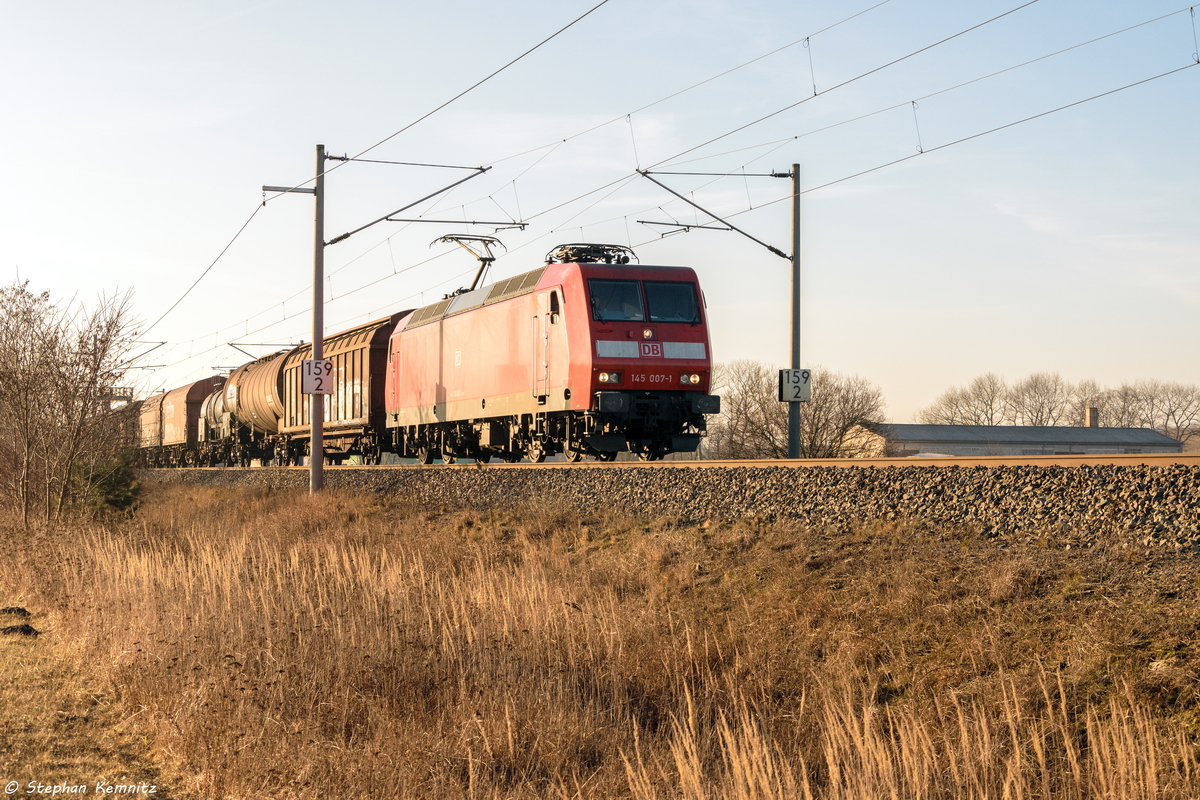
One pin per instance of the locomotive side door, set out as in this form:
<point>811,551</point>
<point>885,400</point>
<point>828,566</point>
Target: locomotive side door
<point>541,347</point>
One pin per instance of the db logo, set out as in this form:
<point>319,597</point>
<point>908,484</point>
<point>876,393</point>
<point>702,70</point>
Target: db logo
<point>651,349</point>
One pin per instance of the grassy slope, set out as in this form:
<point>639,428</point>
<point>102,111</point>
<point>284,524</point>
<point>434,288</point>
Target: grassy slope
<point>58,728</point>
<point>281,646</point>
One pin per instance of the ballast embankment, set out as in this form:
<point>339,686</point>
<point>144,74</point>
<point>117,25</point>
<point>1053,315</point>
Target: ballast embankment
<point>1078,506</point>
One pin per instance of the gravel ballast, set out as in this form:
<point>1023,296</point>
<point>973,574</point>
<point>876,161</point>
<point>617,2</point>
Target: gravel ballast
<point>1154,507</point>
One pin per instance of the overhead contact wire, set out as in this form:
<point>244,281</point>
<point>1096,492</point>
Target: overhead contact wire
<point>690,88</point>
<point>456,97</point>
<point>476,85</point>
<point>845,83</point>
<point>402,130</point>
<point>206,271</point>
<point>977,135</point>
<point>779,142</point>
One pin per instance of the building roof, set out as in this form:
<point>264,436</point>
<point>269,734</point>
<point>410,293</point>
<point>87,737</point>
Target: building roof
<point>1021,434</point>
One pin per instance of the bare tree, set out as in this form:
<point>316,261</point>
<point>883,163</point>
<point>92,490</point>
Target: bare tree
<point>1173,408</point>
<point>1085,394</point>
<point>839,404</point>
<point>1041,399</point>
<point>983,402</point>
<point>56,420</point>
<point>1123,407</point>
<point>753,423</point>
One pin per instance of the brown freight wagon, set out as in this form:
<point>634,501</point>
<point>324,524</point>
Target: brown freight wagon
<point>150,422</point>
<point>354,413</point>
<point>181,411</point>
<point>170,423</point>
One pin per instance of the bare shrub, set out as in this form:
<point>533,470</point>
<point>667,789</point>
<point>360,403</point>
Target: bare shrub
<point>58,428</point>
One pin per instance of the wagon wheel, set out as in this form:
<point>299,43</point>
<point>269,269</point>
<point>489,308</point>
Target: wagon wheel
<point>424,455</point>
<point>536,452</point>
<point>483,457</point>
<point>449,459</point>
<point>573,452</point>
<point>606,455</point>
<point>652,455</point>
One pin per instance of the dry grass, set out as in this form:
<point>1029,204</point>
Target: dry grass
<point>58,728</point>
<point>273,645</point>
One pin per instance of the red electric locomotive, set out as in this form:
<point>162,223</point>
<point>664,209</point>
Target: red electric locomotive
<point>587,355</point>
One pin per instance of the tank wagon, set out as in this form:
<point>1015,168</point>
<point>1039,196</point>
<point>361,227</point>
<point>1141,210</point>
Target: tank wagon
<point>588,355</point>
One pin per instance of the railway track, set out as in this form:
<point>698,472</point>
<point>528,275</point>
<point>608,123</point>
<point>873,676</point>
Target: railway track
<point>1128,459</point>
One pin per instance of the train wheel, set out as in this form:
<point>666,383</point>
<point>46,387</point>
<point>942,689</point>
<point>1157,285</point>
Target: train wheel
<point>424,455</point>
<point>607,455</point>
<point>653,455</point>
<point>536,452</point>
<point>572,453</point>
<point>449,459</point>
<point>483,458</point>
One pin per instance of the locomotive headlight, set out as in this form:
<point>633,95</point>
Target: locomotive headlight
<point>610,377</point>
<point>689,377</point>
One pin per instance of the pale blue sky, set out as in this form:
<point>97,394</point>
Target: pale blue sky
<point>138,135</point>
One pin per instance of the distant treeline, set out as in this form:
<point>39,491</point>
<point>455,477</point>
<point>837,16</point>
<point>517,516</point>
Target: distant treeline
<point>1046,398</point>
<point>753,423</point>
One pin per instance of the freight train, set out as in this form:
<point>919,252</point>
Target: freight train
<point>587,356</point>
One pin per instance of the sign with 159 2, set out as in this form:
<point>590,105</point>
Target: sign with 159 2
<point>795,385</point>
<point>317,377</point>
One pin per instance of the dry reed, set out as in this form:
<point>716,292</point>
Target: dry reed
<point>279,646</point>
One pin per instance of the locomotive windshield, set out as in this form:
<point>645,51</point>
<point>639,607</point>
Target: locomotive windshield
<point>621,301</point>
<point>616,301</point>
<point>672,301</point>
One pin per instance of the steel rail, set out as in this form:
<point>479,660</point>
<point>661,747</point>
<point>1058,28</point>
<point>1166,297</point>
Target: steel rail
<point>1097,460</point>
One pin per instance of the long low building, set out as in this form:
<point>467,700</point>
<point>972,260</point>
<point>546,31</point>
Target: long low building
<point>896,440</point>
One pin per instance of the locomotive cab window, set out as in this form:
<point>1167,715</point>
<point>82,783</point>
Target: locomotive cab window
<point>616,301</point>
<point>672,301</point>
<point>555,313</point>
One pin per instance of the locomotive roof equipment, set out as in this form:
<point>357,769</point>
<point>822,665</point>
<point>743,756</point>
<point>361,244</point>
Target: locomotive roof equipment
<point>583,252</point>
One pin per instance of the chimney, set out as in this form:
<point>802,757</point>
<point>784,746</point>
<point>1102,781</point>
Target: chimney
<point>1091,418</point>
